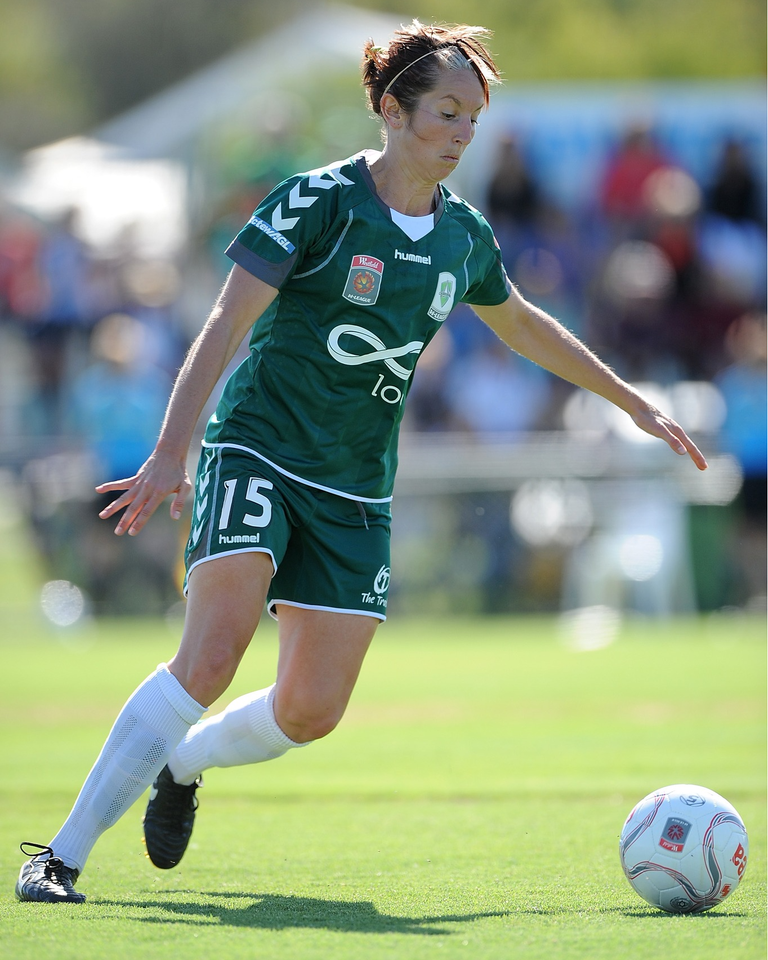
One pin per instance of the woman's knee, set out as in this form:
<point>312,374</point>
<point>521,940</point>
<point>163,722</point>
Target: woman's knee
<point>207,674</point>
<point>303,719</point>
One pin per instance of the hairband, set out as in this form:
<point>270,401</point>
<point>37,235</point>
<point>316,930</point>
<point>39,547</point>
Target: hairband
<point>397,76</point>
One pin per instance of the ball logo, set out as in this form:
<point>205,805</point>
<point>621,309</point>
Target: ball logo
<point>381,582</point>
<point>364,280</point>
<point>674,834</point>
<point>693,800</point>
<point>739,860</point>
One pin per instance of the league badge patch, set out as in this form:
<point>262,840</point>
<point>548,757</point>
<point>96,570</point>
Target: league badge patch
<point>364,280</point>
<point>674,834</point>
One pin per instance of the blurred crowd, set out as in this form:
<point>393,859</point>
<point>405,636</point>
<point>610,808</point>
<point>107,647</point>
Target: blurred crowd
<point>656,274</point>
<point>89,346</point>
<point>664,276</point>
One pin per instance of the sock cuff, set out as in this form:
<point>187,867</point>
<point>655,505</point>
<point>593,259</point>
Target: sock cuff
<point>265,723</point>
<point>187,707</point>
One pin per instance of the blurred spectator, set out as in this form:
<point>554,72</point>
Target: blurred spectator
<point>22,291</point>
<point>622,192</point>
<point>428,407</point>
<point>734,192</point>
<point>513,198</point>
<point>744,434</point>
<point>60,332</point>
<point>150,295</point>
<point>115,410</point>
<point>732,243</point>
<point>732,234</point>
<point>495,391</point>
<point>117,404</point>
<point>630,311</point>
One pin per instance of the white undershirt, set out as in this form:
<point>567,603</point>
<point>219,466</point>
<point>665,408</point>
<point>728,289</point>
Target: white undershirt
<point>413,227</point>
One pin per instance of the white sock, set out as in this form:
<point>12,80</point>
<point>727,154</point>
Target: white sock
<point>154,719</point>
<point>246,732</point>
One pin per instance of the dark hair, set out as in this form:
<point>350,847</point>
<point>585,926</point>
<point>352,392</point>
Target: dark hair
<point>404,69</point>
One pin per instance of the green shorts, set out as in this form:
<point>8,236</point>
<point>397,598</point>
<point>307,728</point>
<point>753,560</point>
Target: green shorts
<point>328,552</point>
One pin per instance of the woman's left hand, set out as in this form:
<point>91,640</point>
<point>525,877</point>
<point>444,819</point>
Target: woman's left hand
<point>657,424</point>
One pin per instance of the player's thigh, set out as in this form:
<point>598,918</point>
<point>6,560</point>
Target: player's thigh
<point>226,596</point>
<point>321,654</point>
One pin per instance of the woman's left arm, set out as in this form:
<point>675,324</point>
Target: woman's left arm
<point>532,333</point>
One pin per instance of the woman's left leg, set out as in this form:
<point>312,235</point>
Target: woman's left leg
<point>321,653</point>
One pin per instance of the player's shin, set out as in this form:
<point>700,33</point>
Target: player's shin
<point>152,722</point>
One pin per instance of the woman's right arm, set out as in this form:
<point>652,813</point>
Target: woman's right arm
<point>243,299</point>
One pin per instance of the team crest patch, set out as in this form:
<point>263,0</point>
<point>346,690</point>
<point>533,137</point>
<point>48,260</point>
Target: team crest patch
<point>364,280</point>
<point>445,292</point>
<point>674,834</point>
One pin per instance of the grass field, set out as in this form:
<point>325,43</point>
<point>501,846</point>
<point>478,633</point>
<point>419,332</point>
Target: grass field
<point>468,806</point>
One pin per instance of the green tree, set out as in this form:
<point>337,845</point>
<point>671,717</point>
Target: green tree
<point>66,65</point>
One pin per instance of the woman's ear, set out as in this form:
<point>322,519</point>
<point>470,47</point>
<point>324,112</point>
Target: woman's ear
<point>391,110</point>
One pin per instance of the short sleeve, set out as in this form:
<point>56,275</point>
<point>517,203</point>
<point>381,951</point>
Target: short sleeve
<point>489,284</point>
<point>272,244</point>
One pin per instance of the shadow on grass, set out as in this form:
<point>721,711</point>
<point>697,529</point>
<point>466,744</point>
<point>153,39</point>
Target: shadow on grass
<point>270,911</point>
<point>636,913</point>
<point>652,914</point>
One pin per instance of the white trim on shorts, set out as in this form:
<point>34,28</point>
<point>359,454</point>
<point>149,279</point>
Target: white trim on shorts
<point>229,553</point>
<point>313,606</point>
<point>209,445</point>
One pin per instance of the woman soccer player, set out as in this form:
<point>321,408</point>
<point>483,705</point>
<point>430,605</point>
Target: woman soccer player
<point>343,275</point>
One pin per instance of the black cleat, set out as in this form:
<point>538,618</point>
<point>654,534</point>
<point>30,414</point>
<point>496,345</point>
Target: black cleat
<point>169,819</point>
<point>46,879</point>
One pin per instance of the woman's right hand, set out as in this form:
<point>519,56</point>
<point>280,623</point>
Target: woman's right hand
<point>161,476</point>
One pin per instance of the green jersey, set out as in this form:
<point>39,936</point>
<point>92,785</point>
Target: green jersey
<point>321,395</point>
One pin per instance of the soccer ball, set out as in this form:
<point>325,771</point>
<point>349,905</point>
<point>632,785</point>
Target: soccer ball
<point>684,848</point>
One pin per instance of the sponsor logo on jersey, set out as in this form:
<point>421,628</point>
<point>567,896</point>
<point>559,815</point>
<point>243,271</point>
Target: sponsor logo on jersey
<point>364,280</point>
<point>380,586</point>
<point>248,538</point>
<point>273,234</point>
<point>380,351</point>
<point>445,292</point>
<point>674,834</point>
<point>412,258</point>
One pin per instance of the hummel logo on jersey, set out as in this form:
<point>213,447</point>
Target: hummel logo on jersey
<point>413,258</point>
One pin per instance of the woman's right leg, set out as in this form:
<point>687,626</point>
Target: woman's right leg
<point>246,731</point>
<point>226,599</point>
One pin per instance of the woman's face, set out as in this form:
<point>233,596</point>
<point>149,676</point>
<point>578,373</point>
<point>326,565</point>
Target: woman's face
<point>443,124</point>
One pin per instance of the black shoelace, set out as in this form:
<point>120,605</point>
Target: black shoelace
<point>53,864</point>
